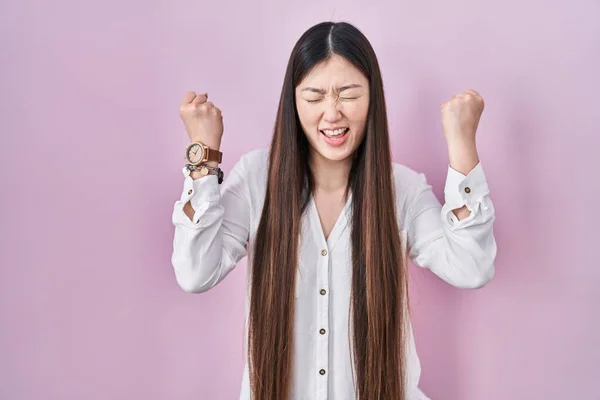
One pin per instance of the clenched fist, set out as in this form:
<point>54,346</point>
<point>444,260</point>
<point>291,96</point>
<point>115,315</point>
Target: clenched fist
<point>460,117</point>
<point>203,121</point>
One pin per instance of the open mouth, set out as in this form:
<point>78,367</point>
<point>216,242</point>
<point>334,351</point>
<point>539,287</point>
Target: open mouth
<point>336,134</point>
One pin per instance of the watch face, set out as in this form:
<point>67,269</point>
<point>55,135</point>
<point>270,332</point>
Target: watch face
<point>195,153</point>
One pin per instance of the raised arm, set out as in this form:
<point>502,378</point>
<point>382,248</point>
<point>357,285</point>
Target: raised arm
<point>455,241</point>
<point>211,221</point>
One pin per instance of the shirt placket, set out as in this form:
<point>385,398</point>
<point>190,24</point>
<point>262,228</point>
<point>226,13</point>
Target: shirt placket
<point>322,332</point>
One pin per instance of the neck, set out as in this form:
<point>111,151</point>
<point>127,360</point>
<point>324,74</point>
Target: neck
<point>329,176</point>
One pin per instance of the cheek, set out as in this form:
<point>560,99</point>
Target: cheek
<point>309,116</point>
<point>357,113</point>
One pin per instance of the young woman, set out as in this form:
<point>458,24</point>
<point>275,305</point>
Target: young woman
<point>327,221</point>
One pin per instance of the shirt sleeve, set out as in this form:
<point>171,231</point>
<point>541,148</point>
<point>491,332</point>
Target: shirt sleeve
<point>208,246</point>
<point>461,252</point>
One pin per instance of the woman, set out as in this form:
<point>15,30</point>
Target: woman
<point>327,221</point>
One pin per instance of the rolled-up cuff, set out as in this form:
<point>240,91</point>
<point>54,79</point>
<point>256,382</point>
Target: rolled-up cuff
<point>466,190</point>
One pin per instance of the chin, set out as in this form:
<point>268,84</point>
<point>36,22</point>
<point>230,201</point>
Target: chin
<point>335,154</point>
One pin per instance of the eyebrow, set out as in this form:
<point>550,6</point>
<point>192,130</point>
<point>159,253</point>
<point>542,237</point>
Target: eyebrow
<point>340,89</point>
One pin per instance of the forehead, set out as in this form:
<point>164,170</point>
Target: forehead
<point>334,72</point>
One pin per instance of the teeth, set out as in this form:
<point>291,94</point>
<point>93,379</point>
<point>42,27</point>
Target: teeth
<point>336,132</point>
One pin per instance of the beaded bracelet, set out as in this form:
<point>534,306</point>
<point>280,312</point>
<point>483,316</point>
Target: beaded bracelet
<point>206,170</point>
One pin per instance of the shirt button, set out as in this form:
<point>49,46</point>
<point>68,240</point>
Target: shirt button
<point>190,191</point>
<point>322,331</point>
<point>467,190</point>
<point>324,252</point>
<point>323,292</point>
<point>322,372</point>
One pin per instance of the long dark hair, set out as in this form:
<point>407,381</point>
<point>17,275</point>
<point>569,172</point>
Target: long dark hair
<point>379,300</point>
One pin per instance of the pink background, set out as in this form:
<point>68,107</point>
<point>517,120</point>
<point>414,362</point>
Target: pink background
<point>92,149</point>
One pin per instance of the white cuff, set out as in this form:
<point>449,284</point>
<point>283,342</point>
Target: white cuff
<point>467,190</point>
<point>199,192</point>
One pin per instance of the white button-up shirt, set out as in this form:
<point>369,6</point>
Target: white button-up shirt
<point>222,231</point>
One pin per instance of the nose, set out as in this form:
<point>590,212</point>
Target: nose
<point>332,111</point>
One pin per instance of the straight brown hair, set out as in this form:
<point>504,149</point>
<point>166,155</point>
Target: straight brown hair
<point>379,295</point>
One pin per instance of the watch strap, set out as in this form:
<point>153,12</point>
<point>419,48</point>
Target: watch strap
<point>213,155</point>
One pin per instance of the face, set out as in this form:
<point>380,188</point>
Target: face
<point>332,103</point>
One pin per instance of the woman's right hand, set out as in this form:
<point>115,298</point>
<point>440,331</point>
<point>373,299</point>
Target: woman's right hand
<point>203,121</point>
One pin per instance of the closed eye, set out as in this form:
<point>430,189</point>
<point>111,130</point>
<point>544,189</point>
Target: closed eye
<point>341,98</point>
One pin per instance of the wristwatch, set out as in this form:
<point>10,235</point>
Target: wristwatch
<point>204,170</point>
<point>197,153</point>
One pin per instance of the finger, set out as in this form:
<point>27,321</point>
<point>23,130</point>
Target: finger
<point>200,98</point>
<point>188,97</point>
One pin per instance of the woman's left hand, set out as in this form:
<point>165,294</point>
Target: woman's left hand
<point>460,118</point>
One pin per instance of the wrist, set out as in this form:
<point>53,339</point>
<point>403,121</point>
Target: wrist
<point>463,156</point>
<point>213,144</point>
<point>196,175</point>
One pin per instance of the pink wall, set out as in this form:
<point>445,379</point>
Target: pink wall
<point>90,167</point>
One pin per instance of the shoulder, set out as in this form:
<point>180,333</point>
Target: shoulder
<point>409,185</point>
<point>251,162</point>
<point>254,159</point>
<point>251,171</point>
<point>406,179</point>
